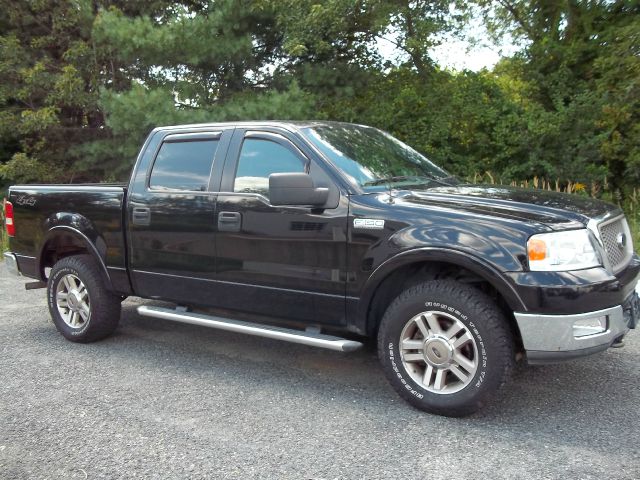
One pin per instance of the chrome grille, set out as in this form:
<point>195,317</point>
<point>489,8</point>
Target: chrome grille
<point>611,233</point>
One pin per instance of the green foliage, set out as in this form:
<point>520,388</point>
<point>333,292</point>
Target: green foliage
<point>24,169</point>
<point>579,70</point>
<point>4,244</point>
<point>132,114</point>
<point>83,82</point>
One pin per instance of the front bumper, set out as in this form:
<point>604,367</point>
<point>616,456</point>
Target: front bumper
<point>551,338</point>
<point>11,263</point>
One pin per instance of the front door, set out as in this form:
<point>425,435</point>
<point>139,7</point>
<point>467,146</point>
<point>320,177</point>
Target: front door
<point>286,261</point>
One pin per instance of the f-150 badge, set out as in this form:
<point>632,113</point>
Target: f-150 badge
<point>368,223</point>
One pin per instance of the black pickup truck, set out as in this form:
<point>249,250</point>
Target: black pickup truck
<point>325,233</point>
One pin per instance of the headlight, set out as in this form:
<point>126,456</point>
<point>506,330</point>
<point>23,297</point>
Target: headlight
<point>560,251</point>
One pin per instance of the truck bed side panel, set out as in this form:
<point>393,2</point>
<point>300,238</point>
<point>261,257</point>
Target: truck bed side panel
<point>92,211</point>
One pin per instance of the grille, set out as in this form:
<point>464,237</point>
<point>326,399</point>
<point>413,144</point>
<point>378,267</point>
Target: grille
<point>611,232</point>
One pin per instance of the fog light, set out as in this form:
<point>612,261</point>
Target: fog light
<point>589,326</point>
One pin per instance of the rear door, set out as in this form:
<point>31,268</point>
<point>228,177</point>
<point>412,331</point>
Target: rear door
<point>284,261</point>
<point>171,216</point>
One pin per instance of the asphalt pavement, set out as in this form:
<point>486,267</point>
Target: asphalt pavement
<point>164,400</point>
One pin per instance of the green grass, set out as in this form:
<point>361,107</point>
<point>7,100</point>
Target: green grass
<point>634,225</point>
<point>4,244</point>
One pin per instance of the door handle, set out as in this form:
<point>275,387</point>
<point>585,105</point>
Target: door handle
<point>141,216</point>
<point>229,221</point>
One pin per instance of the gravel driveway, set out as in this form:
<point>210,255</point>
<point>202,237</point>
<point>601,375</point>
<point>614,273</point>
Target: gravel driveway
<point>165,400</point>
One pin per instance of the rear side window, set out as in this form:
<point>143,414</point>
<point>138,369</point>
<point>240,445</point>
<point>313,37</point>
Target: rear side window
<point>183,165</point>
<point>260,158</point>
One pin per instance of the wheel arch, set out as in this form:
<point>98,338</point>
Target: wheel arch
<point>63,241</point>
<point>414,266</point>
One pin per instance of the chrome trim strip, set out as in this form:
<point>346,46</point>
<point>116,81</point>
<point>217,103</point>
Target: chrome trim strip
<point>594,223</point>
<point>11,264</point>
<point>120,269</point>
<point>604,223</point>
<point>244,194</point>
<point>554,333</point>
<point>68,188</point>
<point>277,333</point>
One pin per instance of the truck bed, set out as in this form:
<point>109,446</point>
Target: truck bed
<point>95,211</point>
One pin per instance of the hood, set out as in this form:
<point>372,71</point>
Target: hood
<point>556,210</point>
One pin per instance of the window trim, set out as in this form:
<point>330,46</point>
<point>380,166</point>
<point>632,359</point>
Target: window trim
<point>185,138</point>
<point>269,137</point>
<point>191,137</point>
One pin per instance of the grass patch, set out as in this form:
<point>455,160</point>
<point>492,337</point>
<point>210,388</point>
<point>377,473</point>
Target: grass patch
<point>4,243</point>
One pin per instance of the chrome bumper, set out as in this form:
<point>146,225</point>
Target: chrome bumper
<point>552,338</point>
<point>11,263</point>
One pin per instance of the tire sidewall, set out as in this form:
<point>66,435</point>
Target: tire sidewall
<point>56,277</point>
<point>485,380</point>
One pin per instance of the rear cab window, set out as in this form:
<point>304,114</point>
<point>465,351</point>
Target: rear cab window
<point>183,165</point>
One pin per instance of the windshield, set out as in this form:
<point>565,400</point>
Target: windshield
<point>373,159</point>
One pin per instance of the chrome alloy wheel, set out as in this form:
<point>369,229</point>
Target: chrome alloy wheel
<point>72,300</point>
<point>439,352</point>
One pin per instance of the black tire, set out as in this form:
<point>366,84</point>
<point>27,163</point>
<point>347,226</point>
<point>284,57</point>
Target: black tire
<point>103,305</point>
<point>485,322</point>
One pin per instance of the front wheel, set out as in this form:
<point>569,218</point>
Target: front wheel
<point>81,306</point>
<point>445,347</point>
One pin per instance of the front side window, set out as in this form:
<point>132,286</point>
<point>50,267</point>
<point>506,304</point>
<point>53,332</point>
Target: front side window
<point>183,165</point>
<point>259,158</point>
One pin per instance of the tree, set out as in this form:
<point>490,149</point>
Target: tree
<point>579,67</point>
<point>83,81</point>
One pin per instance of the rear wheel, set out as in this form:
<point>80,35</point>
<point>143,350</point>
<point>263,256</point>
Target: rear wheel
<point>445,347</point>
<point>81,306</point>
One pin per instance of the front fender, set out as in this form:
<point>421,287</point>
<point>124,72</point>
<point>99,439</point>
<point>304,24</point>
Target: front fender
<point>450,256</point>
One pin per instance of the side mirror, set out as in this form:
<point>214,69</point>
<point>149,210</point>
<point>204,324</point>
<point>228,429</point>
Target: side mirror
<point>295,189</point>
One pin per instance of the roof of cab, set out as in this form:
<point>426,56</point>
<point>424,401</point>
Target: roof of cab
<point>287,124</point>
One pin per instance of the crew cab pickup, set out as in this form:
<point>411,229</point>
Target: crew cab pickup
<point>325,234</point>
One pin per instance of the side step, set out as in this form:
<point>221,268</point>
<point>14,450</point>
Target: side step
<point>288,335</point>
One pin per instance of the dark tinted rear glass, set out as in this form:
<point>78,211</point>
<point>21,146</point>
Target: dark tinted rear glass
<point>183,165</point>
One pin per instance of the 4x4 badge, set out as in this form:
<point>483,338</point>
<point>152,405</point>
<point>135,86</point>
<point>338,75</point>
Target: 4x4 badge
<point>368,223</point>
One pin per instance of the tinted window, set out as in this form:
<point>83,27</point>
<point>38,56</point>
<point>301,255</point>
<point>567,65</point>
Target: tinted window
<point>183,165</point>
<point>259,159</point>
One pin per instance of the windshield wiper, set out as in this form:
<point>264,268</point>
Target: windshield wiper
<point>400,178</point>
<point>380,181</point>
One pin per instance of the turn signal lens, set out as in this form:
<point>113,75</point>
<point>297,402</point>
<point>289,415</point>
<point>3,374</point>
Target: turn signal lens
<point>537,249</point>
<point>8,215</point>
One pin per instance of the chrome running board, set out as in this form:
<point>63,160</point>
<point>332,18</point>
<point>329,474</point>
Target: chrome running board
<point>312,339</point>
